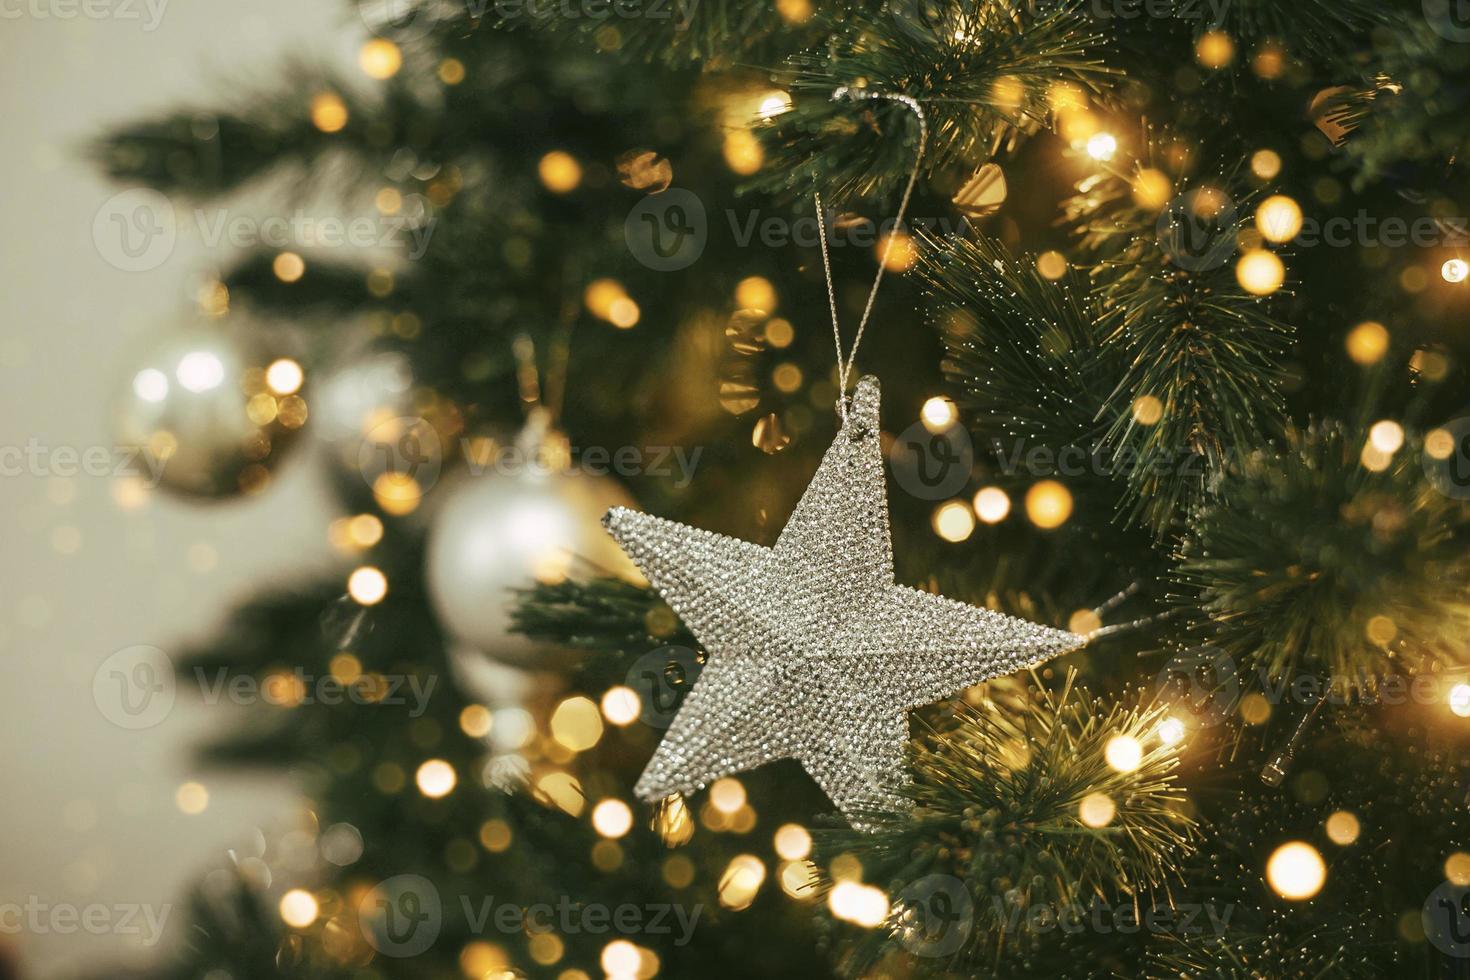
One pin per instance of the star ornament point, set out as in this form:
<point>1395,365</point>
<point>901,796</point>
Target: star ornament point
<point>815,653</point>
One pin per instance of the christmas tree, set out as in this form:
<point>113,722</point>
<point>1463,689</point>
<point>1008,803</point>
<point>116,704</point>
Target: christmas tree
<point>1170,349</point>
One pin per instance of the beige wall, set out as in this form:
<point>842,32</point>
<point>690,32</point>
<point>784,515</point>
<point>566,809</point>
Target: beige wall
<point>87,811</point>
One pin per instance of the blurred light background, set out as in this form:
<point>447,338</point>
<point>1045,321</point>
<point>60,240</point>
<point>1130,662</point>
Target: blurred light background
<point>91,811</point>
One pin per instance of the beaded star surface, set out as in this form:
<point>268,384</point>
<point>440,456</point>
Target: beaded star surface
<point>815,654</point>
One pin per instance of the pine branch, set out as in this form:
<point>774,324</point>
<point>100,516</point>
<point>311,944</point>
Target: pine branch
<point>1309,561</point>
<point>985,75</point>
<point>998,797</point>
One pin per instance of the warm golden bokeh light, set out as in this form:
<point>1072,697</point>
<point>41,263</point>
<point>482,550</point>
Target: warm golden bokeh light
<point>1260,272</point>
<point>436,778</point>
<point>1096,810</point>
<point>367,585</point>
<point>1048,504</point>
<point>1367,343</point>
<point>299,908</point>
<point>560,172</point>
<point>1279,218</point>
<point>1342,828</point>
<point>953,521</point>
<point>1124,753</point>
<point>1296,871</point>
<point>992,504</point>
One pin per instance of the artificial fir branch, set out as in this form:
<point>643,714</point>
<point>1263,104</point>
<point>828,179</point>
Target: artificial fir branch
<point>999,796</point>
<point>1381,586</point>
<point>984,74</point>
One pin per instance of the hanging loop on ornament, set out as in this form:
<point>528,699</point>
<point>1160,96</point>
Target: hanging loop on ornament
<point>845,364</point>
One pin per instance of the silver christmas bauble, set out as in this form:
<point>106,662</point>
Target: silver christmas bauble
<point>508,529</point>
<point>212,412</point>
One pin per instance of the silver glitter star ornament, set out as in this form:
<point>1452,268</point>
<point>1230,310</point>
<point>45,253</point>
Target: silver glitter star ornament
<point>815,654</point>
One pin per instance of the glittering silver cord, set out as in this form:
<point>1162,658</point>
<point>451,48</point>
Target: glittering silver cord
<point>845,366</point>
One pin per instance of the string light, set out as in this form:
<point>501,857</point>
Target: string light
<point>1096,810</point>
<point>1147,410</point>
<point>727,795</point>
<point>938,414</point>
<point>1260,272</point>
<point>741,881</point>
<point>1386,436</point>
<point>576,723</point>
<point>284,376</point>
<point>755,293</point>
<point>612,818</point>
<point>1051,265</point>
<point>1279,218</point>
<point>1102,146</point>
<point>288,267</point>
<point>299,908</point>
<point>621,705</point>
<point>992,504</point>
<point>1265,164</point>
<point>192,798</point>
<point>436,778</point>
<point>862,905</point>
<point>560,172</point>
<point>1124,753</point>
<point>379,59</point>
<point>1367,343</point>
<point>793,842</point>
<point>1171,731</point>
<point>1455,270</point>
<point>1342,828</point>
<point>328,112</point>
<point>1460,700</point>
<point>1152,189</point>
<point>1296,871</point>
<point>1048,504</point>
<point>953,521</point>
<point>367,585</point>
<point>1214,50</point>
